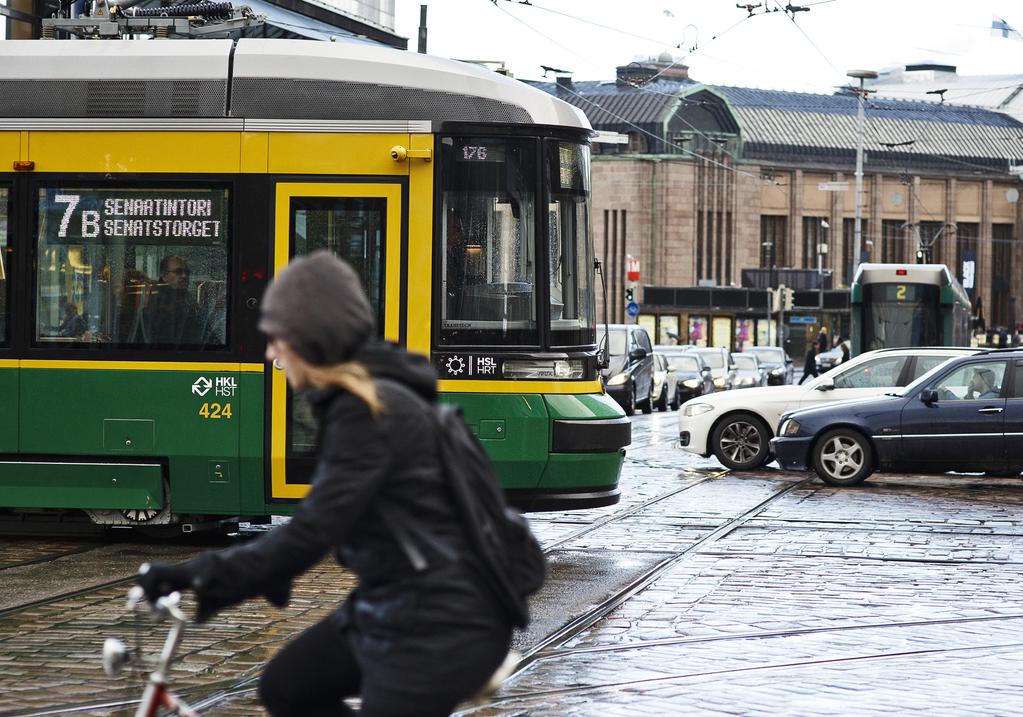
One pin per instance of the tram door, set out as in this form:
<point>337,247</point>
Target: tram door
<point>362,223</point>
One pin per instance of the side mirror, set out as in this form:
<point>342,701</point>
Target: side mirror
<point>637,354</point>
<point>827,384</point>
<point>929,396</point>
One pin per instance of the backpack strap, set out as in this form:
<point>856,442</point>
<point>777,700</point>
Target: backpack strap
<point>410,534</point>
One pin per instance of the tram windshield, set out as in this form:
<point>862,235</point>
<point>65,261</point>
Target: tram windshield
<point>488,239</point>
<point>572,315</point>
<point>139,267</point>
<point>900,315</point>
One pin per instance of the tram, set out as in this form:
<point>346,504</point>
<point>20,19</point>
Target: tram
<point>150,189</point>
<point>895,305</point>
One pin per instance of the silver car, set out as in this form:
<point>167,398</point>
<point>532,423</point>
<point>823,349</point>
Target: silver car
<point>748,371</point>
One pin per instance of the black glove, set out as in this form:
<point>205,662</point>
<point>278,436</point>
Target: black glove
<point>160,579</point>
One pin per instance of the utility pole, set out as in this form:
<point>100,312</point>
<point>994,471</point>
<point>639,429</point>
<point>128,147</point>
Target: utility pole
<point>822,249</point>
<point>861,75</point>
<point>422,29</point>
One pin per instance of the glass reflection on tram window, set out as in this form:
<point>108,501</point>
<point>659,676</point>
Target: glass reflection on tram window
<point>488,241</point>
<point>353,229</point>
<point>4,214</point>
<point>571,262</point>
<point>132,267</point>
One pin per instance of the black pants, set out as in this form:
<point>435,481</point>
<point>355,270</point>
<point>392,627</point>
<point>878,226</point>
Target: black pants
<point>313,674</point>
<point>807,373</point>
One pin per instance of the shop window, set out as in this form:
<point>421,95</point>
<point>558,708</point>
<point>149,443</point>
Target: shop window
<point>132,267</point>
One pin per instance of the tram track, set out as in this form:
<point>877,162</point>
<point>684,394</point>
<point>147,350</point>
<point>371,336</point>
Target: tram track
<point>750,669</point>
<point>629,512</point>
<point>563,635</point>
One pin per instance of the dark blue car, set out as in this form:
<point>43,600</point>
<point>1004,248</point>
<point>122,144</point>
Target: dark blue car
<point>965,415</point>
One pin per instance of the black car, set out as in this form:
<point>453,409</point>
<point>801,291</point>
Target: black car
<point>965,415</point>
<point>776,361</point>
<point>692,374</point>
<point>630,377</point>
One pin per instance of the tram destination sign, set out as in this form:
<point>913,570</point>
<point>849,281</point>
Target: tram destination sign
<point>150,216</point>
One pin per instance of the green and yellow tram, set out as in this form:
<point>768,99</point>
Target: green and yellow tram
<point>149,191</point>
<point>895,305</point>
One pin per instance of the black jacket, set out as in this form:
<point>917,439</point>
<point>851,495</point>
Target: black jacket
<point>400,620</point>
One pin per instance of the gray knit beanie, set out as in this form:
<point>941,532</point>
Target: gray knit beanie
<point>317,306</point>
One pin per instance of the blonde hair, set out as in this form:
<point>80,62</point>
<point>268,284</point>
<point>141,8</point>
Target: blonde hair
<point>353,377</point>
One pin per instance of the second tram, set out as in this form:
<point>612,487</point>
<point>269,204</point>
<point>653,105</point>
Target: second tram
<point>149,190</point>
<point>895,305</point>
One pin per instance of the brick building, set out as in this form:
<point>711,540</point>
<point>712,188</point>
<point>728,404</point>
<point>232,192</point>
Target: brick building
<point>718,180</point>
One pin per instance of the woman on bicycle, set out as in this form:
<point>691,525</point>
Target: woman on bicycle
<point>410,640</point>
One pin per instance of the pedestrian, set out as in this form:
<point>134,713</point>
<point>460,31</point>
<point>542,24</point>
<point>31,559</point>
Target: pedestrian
<point>822,340</point>
<point>810,364</point>
<point>845,352</point>
<point>411,639</point>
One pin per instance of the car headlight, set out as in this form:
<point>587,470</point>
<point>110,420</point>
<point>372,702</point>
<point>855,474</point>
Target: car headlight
<point>695,409</point>
<point>790,427</point>
<point>746,381</point>
<point>720,382</point>
<point>778,371</point>
<point>692,383</point>
<point>618,379</point>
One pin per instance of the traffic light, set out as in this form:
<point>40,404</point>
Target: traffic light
<point>628,295</point>
<point>789,296</point>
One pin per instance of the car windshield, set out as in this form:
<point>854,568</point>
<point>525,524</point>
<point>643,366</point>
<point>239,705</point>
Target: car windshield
<point>746,363</point>
<point>712,358</point>
<point>767,354</point>
<point>683,363</point>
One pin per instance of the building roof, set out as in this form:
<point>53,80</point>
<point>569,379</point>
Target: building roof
<point>774,122</point>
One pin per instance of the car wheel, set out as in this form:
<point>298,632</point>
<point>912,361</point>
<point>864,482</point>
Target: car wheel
<point>647,406</point>
<point>629,404</point>
<point>662,400</point>
<point>843,457</point>
<point>740,442</point>
<point>676,401</point>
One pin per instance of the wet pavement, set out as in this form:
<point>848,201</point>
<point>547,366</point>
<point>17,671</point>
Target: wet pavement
<point>702,592</point>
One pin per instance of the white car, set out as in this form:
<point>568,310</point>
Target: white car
<point>736,426</point>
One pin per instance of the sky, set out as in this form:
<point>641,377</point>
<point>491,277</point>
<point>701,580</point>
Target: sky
<point>718,41</point>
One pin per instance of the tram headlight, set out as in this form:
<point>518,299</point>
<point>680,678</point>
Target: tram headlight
<point>618,379</point>
<point>695,409</point>
<point>559,370</point>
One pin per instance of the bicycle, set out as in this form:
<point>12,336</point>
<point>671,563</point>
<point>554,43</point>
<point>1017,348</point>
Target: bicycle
<point>117,656</point>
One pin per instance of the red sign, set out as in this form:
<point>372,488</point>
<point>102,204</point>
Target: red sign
<point>632,271</point>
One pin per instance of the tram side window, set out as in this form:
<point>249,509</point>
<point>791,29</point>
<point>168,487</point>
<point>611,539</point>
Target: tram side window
<point>488,241</point>
<point>573,316</point>
<point>4,228</point>
<point>132,267</point>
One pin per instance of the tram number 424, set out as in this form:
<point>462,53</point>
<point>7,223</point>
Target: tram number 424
<point>215,410</point>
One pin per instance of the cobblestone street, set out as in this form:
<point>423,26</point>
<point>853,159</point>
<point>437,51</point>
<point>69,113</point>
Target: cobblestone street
<point>702,592</point>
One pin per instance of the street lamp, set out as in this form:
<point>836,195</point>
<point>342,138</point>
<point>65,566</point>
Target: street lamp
<point>769,245</point>
<point>861,75</point>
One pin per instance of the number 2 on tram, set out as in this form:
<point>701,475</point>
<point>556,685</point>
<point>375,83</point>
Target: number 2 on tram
<point>143,216</point>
